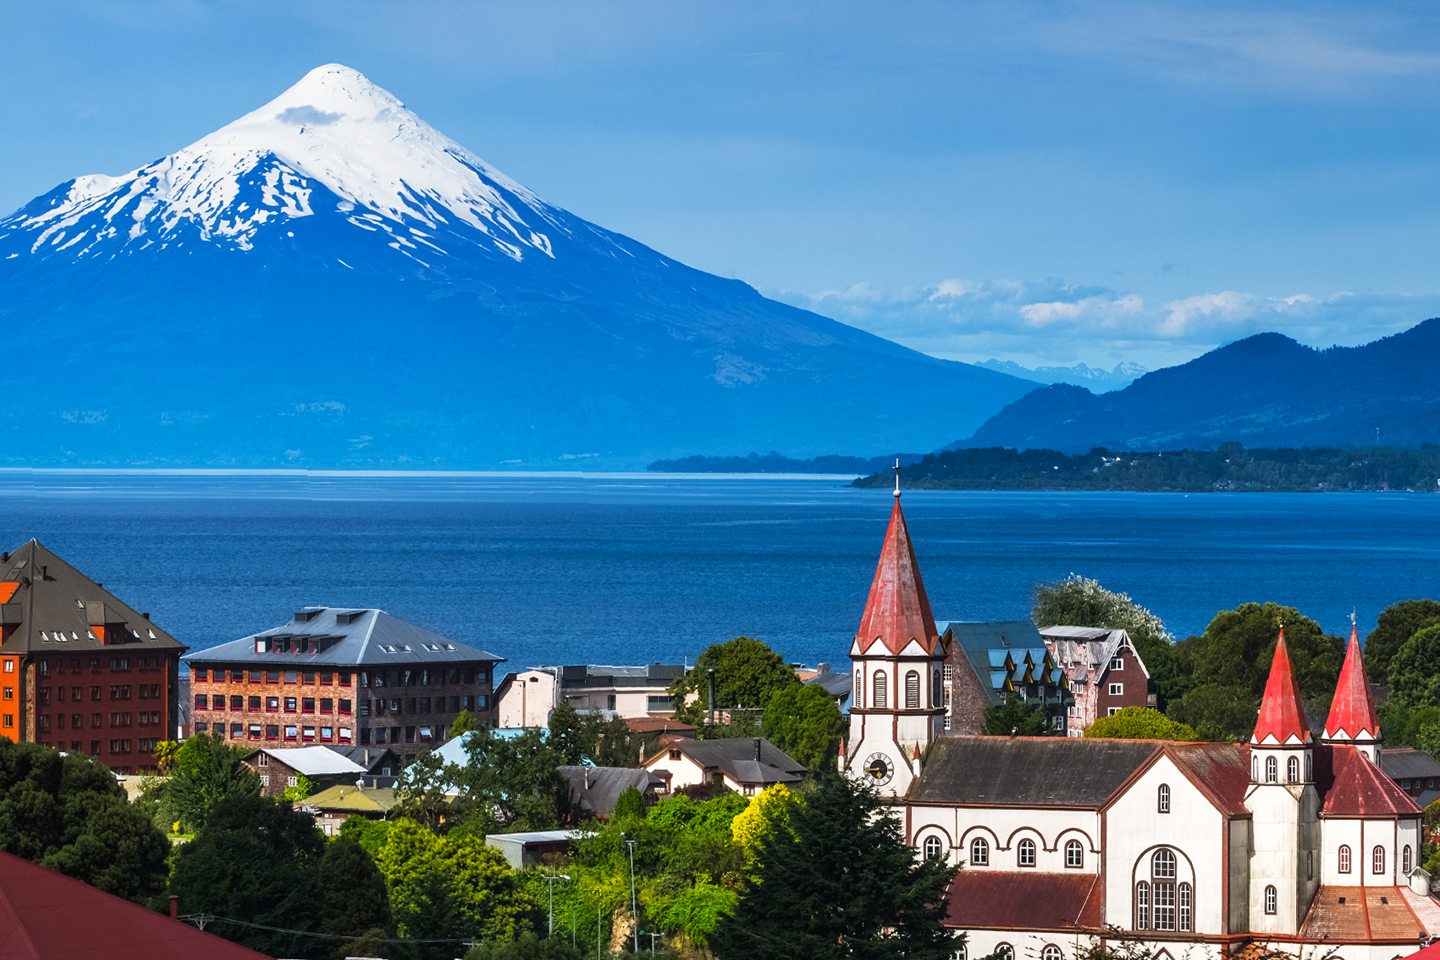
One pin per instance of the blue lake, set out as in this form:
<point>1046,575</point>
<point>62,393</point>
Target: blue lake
<point>637,567</point>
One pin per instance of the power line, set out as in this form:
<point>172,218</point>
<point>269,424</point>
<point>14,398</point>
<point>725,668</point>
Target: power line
<point>201,919</point>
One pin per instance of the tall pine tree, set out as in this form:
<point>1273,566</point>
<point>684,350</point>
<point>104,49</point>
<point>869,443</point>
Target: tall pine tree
<point>841,882</point>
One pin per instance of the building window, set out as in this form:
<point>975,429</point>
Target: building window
<point>1051,952</point>
<point>979,852</point>
<point>937,691</point>
<point>1111,711</point>
<point>1292,769</point>
<point>1344,858</point>
<point>1185,897</point>
<point>1270,770</point>
<point>1309,866</point>
<point>292,781</point>
<point>1074,854</point>
<point>1005,952</point>
<point>879,700</point>
<point>1162,801</point>
<point>961,954</point>
<point>1164,865</point>
<point>912,690</point>
<point>932,848</point>
<point>1377,860</point>
<point>1162,872</point>
<point>1405,863</point>
<point>1142,906</point>
<point>10,664</point>
<point>1117,663</point>
<point>1026,856</point>
<point>1270,900</point>
<point>859,689</point>
<point>202,701</point>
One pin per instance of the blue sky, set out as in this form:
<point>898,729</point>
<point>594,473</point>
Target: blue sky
<point>1048,183</point>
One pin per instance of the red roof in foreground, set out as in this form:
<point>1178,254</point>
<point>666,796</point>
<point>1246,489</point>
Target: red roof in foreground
<point>994,899</point>
<point>1352,712</point>
<point>46,916</point>
<point>1282,714</point>
<point>898,610</point>
<point>1367,914</point>
<point>1354,787</point>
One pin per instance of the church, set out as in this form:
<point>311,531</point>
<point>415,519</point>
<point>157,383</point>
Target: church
<point>1282,844</point>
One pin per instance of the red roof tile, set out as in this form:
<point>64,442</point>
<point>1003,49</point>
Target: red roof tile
<point>1354,787</point>
<point>1368,914</point>
<point>46,915</point>
<point>1221,769</point>
<point>898,610</point>
<point>1352,712</point>
<point>1282,714</point>
<point>985,899</point>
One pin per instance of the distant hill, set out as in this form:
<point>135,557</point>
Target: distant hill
<point>773,462</point>
<point>1096,379</point>
<point>1266,390</point>
<point>330,282</point>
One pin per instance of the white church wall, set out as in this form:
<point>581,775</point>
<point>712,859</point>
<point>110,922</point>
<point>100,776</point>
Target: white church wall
<point>1277,812</point>
<point>1002,828</point>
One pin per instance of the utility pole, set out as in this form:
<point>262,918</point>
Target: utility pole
<point>634,904</point>
<point>711,699</point>
<point>550,879</point>
<point>652,937</point>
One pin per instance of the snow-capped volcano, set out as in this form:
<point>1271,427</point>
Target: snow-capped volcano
<point>331,282</point>
<point>334,147</point>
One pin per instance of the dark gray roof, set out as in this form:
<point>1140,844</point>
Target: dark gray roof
<point>1407,763</point>
<point>52,605</point>
<point>371,758</point>
<point>737,759</point>
<point>1027,771</point>
<point>978,639</point>
<point>838,685</point>
<point>349,637</point>
<point>594,790</point>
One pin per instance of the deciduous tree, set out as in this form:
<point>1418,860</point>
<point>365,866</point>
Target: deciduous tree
<point>804,721</point>
<point>208,771</point>
<point>1016,718</point>
<point>1415,669</point>
<point>1398,623</point>
<point>747,672</point>
<point>353,897</point>
<point>1139,723</point>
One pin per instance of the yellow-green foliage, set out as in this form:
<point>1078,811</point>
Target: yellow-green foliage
<point>768,810</point>
<point>694,911</point>
<point>1140,723</point>
<point>450,886</point>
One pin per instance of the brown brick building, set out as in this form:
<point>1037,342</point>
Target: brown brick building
<point>340,676</point>
<point>79,668</point>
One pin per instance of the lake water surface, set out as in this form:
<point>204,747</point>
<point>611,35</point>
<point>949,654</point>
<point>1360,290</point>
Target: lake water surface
<point>640,567</point>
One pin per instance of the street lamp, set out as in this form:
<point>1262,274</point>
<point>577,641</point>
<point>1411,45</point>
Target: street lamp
<point>634,908</point>
<point>550,879</point>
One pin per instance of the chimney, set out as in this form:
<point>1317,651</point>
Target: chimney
<point>587,778</point>
<point>174,907</point>
<point>757,749</point>
<point>145,615</point>
<point>821,668</point>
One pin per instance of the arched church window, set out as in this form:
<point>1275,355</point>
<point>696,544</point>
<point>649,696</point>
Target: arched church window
<point>859,689</point>
<point>1162,802</point>
<point>1405,859</point>
<point>1162,890</point>
<point>1027,853</point>
<point>1142,906</point>
<point>1164,865</point>
<point>932,848</point>
<point>912,690</point>
<point>1377,859</point>
<point>1270,899</point>
<point>878,700</point>
<point>979,852</point>
<point>1309,865</point>
<point>1051,952</point>
<point>937,692</point>
<point>961,954</point>
<point>1309,768</point>
<point>1186,910</point>
<point>1270,770</point>
<point>1074,854</point>
<point>1005,952</point>
<point>1255,769</point>
<point>1344,858</point>
<point>1292,770</point>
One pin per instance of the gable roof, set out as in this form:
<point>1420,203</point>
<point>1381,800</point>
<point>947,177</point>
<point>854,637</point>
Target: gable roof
<point>1003,654</point>
<point>1407,763</point>
<point>1352,712</point>
<point>594,790</point>
<point>316,761</point>
<point>1220,770</point>
<point>1354,787</point>
<point>51,605</point>
<point>1077,650</point>
<point>1282,712</point>
<point>348,637</point>
<point>1005,900</point>
<point>897,610</point>
<point>46,915</point>
<point>1028,771</point>
<point>371,758</point>
<point>736,759</point>
<point>352,800</point>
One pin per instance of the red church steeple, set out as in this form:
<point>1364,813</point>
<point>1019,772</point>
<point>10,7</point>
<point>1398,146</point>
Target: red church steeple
<point>1282,714</point>
<point>898,610</point>
<point>1352,712</point>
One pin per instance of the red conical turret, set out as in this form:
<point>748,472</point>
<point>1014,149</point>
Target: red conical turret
<point>898,610</point>
<point>1282,714</point>
<point>1352,712</point>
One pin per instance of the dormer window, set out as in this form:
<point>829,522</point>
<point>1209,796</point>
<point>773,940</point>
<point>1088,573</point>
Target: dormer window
<point>1117,663</point>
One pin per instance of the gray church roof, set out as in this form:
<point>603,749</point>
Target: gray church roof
<point>343,637</point>
<point>1027,771</point>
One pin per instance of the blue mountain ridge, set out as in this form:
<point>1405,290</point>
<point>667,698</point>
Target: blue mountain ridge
<point>1264,391</point>
<point>239,304</point>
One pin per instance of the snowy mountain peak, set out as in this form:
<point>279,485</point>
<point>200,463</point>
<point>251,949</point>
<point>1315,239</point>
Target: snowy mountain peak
<point>334,145</point>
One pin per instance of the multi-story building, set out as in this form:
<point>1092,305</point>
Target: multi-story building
<point>1105,673</point>
<point>341,676</point>
<point>987,661</point>
<point>79,668</point>
<point>526,698</point>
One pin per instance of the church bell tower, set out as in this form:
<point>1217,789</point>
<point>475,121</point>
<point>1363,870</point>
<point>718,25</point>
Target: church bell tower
<point>898,704</point>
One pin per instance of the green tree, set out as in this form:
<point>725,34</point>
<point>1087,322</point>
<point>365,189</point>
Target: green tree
<point>255,860</point>
<point>1398,623</point>
<point>747,672</point>
<point>573,736</point>
<point>424,791</point>
<point>463,723</point>
<point>353,898</point>
<point>208,771</point>
<point>1218,713</point>
<point>841,882</point>
<point>69,814</point>
<point>1081,602</point>
<point>804,722</point>
<point>526,947</point>
<point>301,790</point>
<point>1238,646</point>
<point>1415,669</point>
<point>512,783</point>
<point>370,834</point>
<point>1139,723</point>
<point>1415,723</point>
<point>1015,717</point>
<point>768,810</point>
